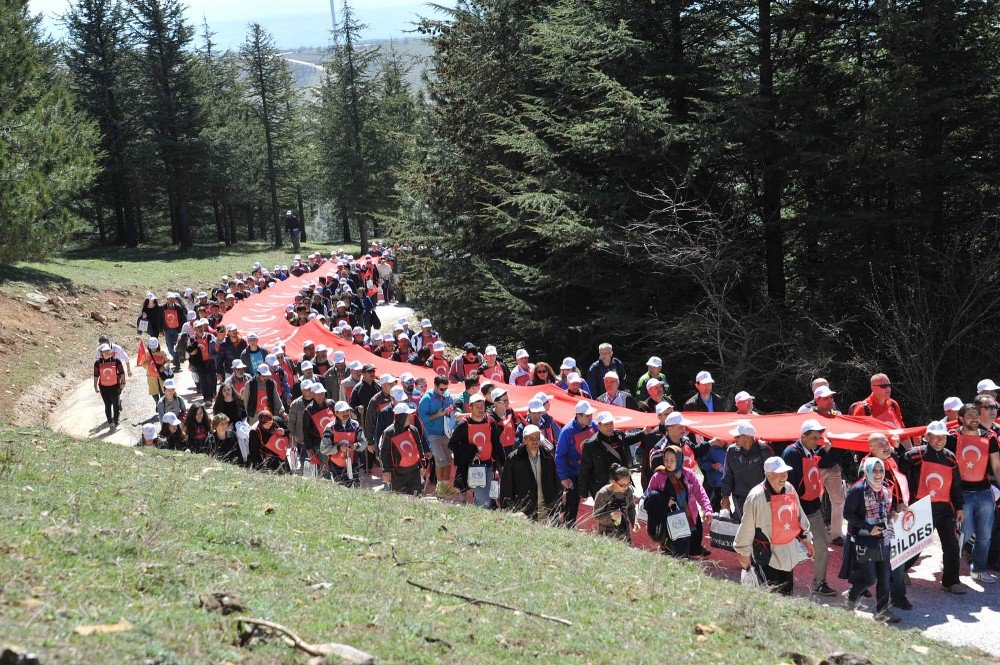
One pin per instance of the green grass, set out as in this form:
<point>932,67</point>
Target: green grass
<point>151,267</point>
<point>96,533</point>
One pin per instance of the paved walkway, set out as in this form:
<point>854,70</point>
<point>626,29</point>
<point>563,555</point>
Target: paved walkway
<point>970,620</point>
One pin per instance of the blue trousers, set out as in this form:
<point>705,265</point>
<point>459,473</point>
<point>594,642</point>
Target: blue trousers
<point>979,515</point>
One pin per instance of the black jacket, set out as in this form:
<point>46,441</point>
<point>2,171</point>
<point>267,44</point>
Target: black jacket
<point>226,448</point>
<point>598,454</point>
<point>646,444</point>
<point>694,403</point>
<point>259,458</point>
<point>273,398</point>
<point>518,487</point>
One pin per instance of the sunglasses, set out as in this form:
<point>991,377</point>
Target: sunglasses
<point>883,385</point>
<point>989,408</point>
<point>543,371</point>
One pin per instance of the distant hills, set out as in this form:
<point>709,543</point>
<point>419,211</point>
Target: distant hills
<point>306,63</point>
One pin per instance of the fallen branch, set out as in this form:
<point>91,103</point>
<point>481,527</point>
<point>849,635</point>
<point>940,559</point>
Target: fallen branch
<point>479,601</point>
<point>345,652</point>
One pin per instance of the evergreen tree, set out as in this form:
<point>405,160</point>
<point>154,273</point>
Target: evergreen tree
<point>97,55</point>
<point>46,145</point>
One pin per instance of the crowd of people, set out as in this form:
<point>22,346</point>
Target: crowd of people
<point>320,414</point>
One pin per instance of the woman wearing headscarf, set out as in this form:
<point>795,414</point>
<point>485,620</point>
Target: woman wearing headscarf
<point>869,509</point>
<point>151,317</point>
<point>674,487</point>
<point>614,506</point>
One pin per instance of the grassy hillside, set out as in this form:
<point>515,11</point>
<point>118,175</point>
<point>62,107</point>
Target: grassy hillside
<point>92,533</point>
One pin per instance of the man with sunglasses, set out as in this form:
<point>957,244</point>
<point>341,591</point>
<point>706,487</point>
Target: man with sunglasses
<point>433,409</point>
<point>880,405</point>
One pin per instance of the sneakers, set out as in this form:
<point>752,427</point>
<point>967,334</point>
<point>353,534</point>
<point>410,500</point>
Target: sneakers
<point>982,578</point>
<point>851,605</point>
<point>956,589</point>
<point>902,604</point>
<point>823,589</point>
<point>886,616</point>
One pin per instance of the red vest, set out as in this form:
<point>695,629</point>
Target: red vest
<point>509,427</point>
<point>440,366</point>
<point>340,438</point>
<point>972,453</point>
<point>202,343</point>
<point>689,461</point>
<point>469,368</point>
<point>480,437</point>
<point>935,480</point>
<point>784,518</point>
<point>812,482</point>
<point>239,385</point>
<point>322,419</point>
<point>580,437</point>
<point>170,318</point>
<point>494,373</point>
<point>108,374</point>
<point>409,454</point>
<point>262,401</point>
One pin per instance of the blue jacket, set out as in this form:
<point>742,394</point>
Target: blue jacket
<point>567,456</point>
<point>430,404</point>
<point>707,454</point>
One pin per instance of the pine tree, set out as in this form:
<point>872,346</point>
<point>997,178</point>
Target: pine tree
<point>97,55</point>
<point>270,84</point>
<point>46,144</point>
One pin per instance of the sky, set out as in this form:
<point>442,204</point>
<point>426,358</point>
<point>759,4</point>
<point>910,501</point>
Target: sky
<point>292,22</point>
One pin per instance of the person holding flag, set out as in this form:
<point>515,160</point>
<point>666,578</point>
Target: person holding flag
<point>341,442</point>
<point>174,315</point>
<point>401,450</point>
<point>318,415</point>
<point>773,520</point>
<point>569,450</point>
<point>802,458</point>
<point>269,443</point>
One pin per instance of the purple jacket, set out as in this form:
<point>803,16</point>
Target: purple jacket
<point>695,491</point>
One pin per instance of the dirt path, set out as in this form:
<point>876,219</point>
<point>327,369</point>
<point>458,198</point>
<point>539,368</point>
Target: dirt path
<point>970,620</point>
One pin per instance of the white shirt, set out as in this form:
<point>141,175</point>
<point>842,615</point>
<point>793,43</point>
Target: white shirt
<point>119,353</point>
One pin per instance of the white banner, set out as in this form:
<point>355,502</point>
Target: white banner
<point>913,531</point>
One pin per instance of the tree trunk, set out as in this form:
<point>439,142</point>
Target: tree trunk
<point>220,231</point>
<point>302,211</point>
<point>140,226</point>
<point>99,209</point>
<point>345,226</point>
<point>184,225</point>
<point>262,220</point>
<point>172,206</point>
<point>363,233</point>
<point>121,236</point>
<point>251,232</point>
<point>774,240</point>
<point>230,224</point>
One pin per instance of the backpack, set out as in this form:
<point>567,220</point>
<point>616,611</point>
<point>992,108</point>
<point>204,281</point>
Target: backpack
<point>864,403</point>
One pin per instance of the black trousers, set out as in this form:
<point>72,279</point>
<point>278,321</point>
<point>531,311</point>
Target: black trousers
<point>571,505</point>
<point>206,382</point>
<point>112,402</point>
<point>945,525</point>
<point>779,581</point>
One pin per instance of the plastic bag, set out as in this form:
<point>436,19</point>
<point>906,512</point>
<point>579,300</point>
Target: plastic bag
<point>477,476</point>
<point>243,438</point>
<point>677,525</point>
<point>749,579</point>
<point>494,489</point>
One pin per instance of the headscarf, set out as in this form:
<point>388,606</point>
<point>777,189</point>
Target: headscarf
<point>868,469</point>
<point>679,456</point>
<point>676,480</point>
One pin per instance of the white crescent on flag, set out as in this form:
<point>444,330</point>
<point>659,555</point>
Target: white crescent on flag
<point>791,513</point>
<point>476,437</point>
<point>817,481</point>
<point>940,482</point>
<point>975,449</point>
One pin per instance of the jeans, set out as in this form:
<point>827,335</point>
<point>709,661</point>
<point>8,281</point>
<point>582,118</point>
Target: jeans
<point>170,336</point>
<point>833,483</point>
<point>481,495</point>
<point>863,574</point>
<point>295,234</point>
<point>979,514</point>
<point>821,555</point>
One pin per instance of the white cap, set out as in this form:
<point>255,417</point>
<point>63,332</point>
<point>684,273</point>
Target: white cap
<point>743,428</point>
<point>341,303</point>
<point>406,377</point>
<point>170,418</point>
<point>398,393</point>
<point>263,370</point>
<point>823,391</point>
<point>339,357</point>
<point>604,417</point>
<point>425,323</point>
<point>149,431</point>
<point>318,387</point>
<point>478,397</point>
<point>652,383</point>
<point>358,330</point>
<point>704,377</point>
<point>401,408</point>
<point>583,408</point>
<point>490,351</point>
<point>573,377</point>
<point>191,316</point>
<point>438,346</point>
<point>152,344</point>
<point>676,418</point>
<point>386,378</point>
<point>104,347</point>
<point>568,363</point>
<point>654,361</point>
<point>775,465</point>
<point>306,384</point>
<point>536,406</point>
<point>230,327</point>
<point>811,425</point>
<point>188,292</point>
<point>321,348</point>
<point>355,365</point>
<point>289,308</point>
<point>612,375</point>
<point>937,427</point>
<point>341,406</point>
<point>986,384</point>
<point>403,336</point>
<point>150,296</point>
<point>238,364</point>
<point>202,294</point>
<point>169,385</point>
<point>204,322</point>
<point>521,353</point>
<point>542,397</point>
<point>306,364</point>
<point>376,336</point>
<point>742,396</point>
<point>663,407</point>
<point>497,393</point>
<point>953,404</point>
<point>529,430</point>
<point>252,335</point>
